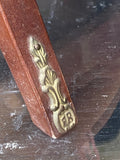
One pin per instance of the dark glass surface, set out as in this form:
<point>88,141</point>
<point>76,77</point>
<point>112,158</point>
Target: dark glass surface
<point>85,35</point>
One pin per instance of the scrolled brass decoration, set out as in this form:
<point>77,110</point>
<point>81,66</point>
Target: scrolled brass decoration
<point>63,114</point>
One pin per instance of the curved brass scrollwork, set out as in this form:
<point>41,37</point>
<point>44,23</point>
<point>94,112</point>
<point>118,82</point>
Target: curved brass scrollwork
<point>63,114</point>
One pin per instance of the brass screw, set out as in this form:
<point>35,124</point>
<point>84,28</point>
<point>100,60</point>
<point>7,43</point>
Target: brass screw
<point>37,46</point>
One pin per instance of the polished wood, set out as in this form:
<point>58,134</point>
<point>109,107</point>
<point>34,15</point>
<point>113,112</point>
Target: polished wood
<point>21,20</point>
<point>90,60</point>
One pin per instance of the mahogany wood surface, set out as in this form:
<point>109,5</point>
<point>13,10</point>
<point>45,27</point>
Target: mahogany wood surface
<point>90,64</point>
<point>19,21</point>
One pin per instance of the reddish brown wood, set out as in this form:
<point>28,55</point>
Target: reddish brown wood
<point>20,20</point>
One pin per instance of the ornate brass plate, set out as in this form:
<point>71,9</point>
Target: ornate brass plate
<point>63,114</point>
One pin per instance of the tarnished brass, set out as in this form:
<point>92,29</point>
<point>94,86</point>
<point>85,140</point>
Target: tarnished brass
<point>63,114</point>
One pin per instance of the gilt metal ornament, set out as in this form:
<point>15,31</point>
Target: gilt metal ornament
<point>63,114</point>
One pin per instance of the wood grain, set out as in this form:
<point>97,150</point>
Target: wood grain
<point>90,64</point>
<point>21,20</point>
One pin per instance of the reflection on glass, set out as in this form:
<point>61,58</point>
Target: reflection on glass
<point>85,37</point>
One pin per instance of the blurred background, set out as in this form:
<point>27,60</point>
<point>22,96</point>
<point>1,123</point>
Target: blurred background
<point>85,36</point>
